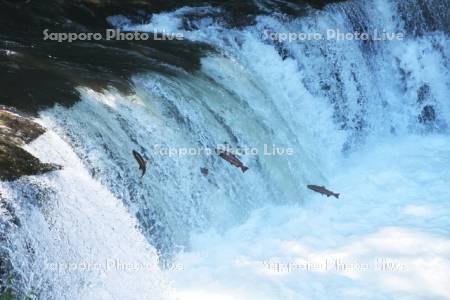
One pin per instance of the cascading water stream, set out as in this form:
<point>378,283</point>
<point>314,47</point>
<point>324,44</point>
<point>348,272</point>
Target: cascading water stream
<point>333,102</point>
<point>78,238</point>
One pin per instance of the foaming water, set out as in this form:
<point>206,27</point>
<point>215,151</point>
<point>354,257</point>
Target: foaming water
<point>386,237</point>
<point>366,119</point>
<point>79,240</point>
<point>331,99</point>
<point>370,87</point>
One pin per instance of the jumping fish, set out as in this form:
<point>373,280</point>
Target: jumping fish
<point>142,163</point>
<point>232,159</point>
<point>322,190</point>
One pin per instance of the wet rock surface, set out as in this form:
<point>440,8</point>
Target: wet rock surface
<point>16,131</point>
<point>36,74</point>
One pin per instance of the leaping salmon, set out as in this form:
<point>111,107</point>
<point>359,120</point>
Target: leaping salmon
<point>232,159</point>
<point>142,163</point>
<point>322,190</point>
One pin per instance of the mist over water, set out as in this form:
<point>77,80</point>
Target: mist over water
<point>368,119</point>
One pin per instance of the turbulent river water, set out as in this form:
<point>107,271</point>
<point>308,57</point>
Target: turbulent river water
<point>368,119</point>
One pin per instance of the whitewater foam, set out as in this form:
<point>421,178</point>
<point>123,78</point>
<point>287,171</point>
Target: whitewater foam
<point>361,118</point>
<point>373,243</point>
<point>84,244</point>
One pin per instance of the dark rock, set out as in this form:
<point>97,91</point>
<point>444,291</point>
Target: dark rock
<point>15,131</point>
<point>320,4</point>
<point>36,74</point>
<point>16,162</point>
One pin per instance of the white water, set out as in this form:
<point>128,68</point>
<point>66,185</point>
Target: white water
<point>394,209</point>
<point>79,240</point>
<point>349,112</point>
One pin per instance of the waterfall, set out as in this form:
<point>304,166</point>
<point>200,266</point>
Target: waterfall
<point>333,102</point>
